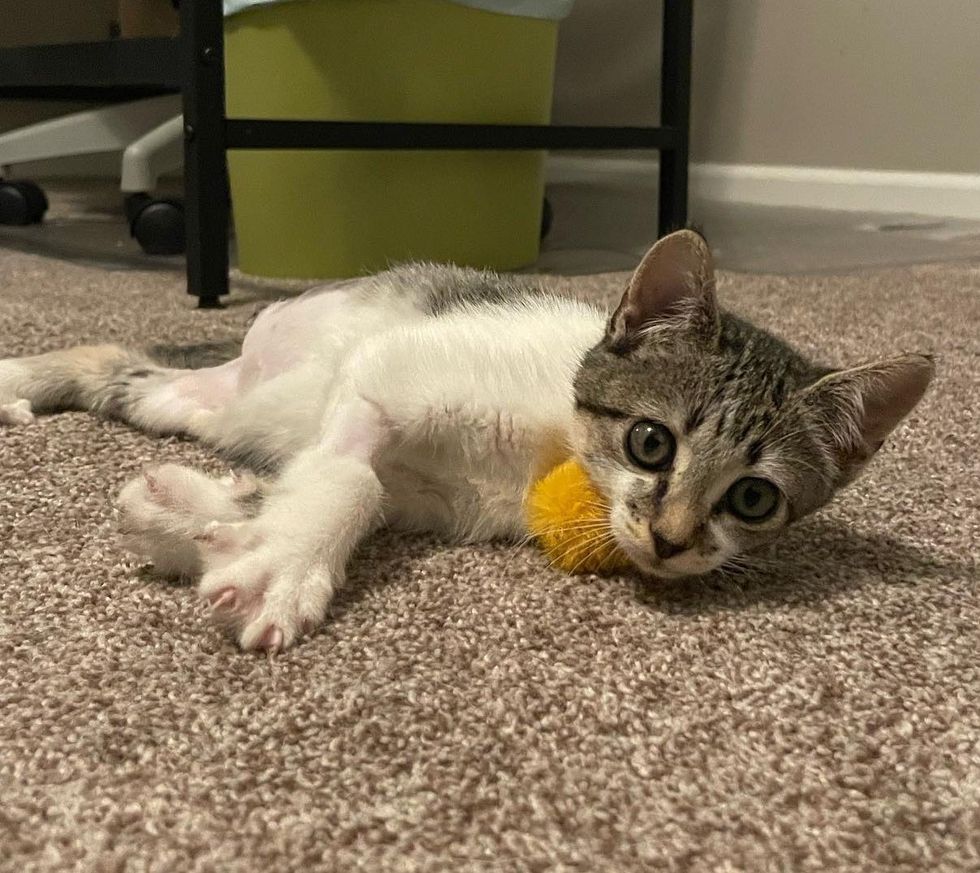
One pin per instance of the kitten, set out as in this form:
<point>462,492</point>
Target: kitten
<point>432,397</point>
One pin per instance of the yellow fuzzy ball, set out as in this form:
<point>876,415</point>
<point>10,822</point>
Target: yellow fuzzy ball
<point>570,520</point>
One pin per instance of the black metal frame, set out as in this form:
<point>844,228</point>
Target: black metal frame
<point>209,134</point>
<point>118,69</point>
<point>194,64</point>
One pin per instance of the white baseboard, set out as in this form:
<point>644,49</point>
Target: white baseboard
<point>951,195</point>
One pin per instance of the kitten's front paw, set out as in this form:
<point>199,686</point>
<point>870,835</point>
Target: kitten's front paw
<point>267,597</point>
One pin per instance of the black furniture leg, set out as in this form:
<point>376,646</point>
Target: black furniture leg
<point>208,134</point>
<point>205,165</point>
<point>675,112</point>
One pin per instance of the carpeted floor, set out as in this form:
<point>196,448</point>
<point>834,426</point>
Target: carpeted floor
<point>468,709</point>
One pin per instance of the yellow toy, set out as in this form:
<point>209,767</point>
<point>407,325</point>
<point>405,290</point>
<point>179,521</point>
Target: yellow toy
<point>570,519</point>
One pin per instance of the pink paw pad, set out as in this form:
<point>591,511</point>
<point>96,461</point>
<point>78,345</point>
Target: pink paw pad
<point>225,598</point>
<point>160,491</point>
<point>153,486</point>
<point>271,640</point>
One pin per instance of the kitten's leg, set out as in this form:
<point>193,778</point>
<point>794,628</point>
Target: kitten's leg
<point>327,499</point>
<point>68,379</point>
<point>168,512</point>
<point>118,383</point>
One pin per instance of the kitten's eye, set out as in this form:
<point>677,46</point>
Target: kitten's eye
<point>752,499</point>
<point>651,445</point>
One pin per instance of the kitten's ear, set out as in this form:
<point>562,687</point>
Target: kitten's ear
<point>675,282</point>
<point>859,407</point>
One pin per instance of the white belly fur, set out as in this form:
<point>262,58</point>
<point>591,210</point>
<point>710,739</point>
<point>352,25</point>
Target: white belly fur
<point>480,399</point>
<point>483,402</point>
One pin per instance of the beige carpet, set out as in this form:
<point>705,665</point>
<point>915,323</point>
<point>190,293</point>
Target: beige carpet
<point>470,709</point>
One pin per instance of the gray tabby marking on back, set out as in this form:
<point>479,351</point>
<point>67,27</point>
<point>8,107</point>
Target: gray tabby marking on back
<point>441,288</point>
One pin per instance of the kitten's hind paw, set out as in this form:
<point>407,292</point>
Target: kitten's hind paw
<point>17,412</point>
<point>165,512</point>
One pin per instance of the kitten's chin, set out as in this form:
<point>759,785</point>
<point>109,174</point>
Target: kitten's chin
<point>650,565</point>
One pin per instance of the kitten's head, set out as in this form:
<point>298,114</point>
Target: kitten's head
<point>708,436</point>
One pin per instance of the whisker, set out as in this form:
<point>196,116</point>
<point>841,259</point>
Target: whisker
<point>591,546</point>
<point>580,525</point>
<point>585,532</point>
<point>571,529</point>
<point>589,555</point>
<point>749,563</point>
<point>569,550</point>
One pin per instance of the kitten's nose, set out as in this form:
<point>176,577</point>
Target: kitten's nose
<point>665,548</point>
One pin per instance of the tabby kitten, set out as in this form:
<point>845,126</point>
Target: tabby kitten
<point>431,398</point>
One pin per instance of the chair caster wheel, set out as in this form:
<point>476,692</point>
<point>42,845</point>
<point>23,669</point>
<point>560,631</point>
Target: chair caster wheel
<point>547,216</point>
<point>21,203</point>
<point>157,225</point>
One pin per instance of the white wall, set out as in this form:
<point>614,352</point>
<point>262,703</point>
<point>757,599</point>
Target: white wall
<point>874,84</point>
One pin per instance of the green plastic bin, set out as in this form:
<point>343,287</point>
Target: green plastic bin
<point>329,213</point>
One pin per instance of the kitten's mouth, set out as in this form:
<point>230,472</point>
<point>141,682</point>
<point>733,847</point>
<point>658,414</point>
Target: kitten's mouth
<point>648,563</point>
<point>634,541</point>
